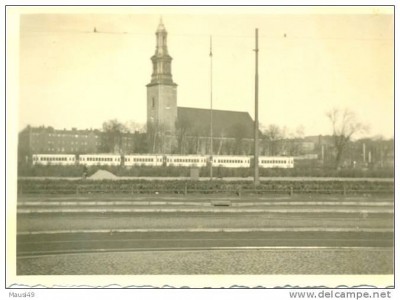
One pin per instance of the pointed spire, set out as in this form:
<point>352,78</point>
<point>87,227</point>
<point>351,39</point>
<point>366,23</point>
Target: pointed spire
<point>161,59</point>
<point>161,26</point>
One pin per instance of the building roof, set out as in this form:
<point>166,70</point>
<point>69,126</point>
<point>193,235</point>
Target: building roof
<point>229,124</point>
<point>49,129</point>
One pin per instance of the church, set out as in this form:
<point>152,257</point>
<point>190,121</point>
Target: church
<point>184,130</point>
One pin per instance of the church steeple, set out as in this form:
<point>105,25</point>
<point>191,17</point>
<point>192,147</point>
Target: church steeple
<point>162,108</point>
<point>161,59</point>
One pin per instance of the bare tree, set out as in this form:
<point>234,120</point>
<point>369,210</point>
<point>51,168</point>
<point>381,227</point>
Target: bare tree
<point>113,131</point>
<point>272,139</point>
<point>183,127</point>
<point>156,137</point>
<point>133,127</point>
<point>294,141</point>
<point>344,126</point>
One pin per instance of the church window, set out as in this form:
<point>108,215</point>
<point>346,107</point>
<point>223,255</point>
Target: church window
<point>153,102</point>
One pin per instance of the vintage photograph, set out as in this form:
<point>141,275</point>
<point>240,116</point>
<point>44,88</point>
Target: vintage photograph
<point>205,141</point>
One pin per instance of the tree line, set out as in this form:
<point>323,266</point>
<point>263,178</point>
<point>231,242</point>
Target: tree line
<point>274,140</point>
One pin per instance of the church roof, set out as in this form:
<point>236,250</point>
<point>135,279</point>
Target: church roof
<point>232,124</point>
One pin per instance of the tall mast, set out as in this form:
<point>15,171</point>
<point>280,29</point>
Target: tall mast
<point>256,175</point>
<point>211,110</point>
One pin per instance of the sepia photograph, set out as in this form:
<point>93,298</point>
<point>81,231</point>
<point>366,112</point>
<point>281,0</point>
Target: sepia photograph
<point>231,143</point>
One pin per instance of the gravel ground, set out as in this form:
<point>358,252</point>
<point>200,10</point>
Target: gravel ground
<point>282,261</point>
<point>166,221</point>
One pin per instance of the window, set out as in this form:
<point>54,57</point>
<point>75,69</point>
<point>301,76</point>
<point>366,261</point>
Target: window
<point>153,102</point>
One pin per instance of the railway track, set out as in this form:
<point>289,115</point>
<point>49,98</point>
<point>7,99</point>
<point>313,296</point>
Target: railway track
<point>282,222</point>
<point>159,234</point>
<point>91,242</point>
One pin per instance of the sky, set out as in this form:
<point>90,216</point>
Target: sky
<point>310,61</point>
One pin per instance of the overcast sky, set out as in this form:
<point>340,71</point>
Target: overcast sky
<point>308,64</point>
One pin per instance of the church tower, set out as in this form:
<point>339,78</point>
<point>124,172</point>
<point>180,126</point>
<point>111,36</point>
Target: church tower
<point>161,91</point>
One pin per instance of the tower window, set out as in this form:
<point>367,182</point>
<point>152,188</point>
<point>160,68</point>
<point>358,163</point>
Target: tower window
<point>153,102</point>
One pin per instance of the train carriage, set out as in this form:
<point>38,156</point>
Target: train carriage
<point>186,160</point>
<point>276,162</point>
<point>100,159</point>
<point>156,160</point>
<point>54,159</point>
<point>228,161</point>
<point>143,160</point>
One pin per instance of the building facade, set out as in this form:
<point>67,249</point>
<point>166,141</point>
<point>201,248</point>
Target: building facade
<point>47,140</point>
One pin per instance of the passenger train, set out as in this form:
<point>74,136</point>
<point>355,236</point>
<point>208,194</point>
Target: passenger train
<point>153,160</point>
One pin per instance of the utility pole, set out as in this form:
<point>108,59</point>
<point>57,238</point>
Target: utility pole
<point>364,153</point>
<point>211,112</point>
<point>256,175</point>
